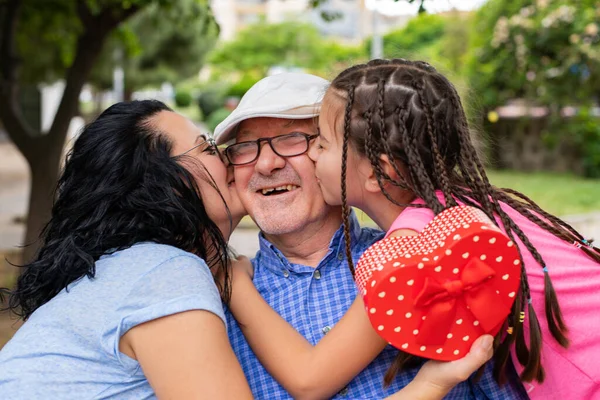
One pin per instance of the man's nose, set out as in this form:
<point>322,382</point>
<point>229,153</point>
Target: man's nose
<point>268,161</point>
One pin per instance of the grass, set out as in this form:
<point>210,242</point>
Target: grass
<point>559,194</point>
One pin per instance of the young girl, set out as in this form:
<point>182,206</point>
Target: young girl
<point>396,133</point>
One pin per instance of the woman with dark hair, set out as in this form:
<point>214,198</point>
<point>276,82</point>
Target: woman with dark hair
<point>120,301</point>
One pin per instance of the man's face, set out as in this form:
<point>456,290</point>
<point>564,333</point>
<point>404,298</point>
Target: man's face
<point>281,194</point>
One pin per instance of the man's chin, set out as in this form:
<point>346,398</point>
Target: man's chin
<point>279,224</point>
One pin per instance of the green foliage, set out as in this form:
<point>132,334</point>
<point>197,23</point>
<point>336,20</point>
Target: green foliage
<point>545,50</point>
<point>418,34</point>
<point>46,39</point>
<point>216,118</point>
<point>210,99</point>
<point>183,98</point>
<point>162,43</point>
<point>441,40</point>
<point>584,130</point>
<point>239,88</point>
<point>291,44</point>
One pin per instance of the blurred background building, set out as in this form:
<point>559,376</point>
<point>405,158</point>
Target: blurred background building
<point>354,21</point>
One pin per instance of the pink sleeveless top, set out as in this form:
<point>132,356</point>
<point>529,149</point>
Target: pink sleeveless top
<point>572,373</point>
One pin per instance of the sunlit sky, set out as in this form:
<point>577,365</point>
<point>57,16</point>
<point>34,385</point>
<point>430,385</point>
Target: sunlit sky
<point>401,7</point>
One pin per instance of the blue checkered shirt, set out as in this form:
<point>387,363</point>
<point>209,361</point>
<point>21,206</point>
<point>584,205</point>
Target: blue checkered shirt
<point>312,300</point>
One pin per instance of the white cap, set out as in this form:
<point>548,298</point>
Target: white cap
<point>287,95</point>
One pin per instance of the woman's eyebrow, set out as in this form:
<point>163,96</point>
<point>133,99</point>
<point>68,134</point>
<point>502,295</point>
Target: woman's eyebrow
<point>200,138</point>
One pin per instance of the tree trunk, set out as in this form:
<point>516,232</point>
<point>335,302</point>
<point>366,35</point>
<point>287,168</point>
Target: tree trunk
<point>127,94</point>
<point>44,176</point>
<point>44,152</point>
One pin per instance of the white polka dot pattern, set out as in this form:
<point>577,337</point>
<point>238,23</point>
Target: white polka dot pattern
<point>394,272</point>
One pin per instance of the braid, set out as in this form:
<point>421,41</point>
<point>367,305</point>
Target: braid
<point>423,185</point>
<point>384,140</point>
<point>345,208</point>
<point>438,162</point>
<point>556,323</point>
<point>374,159</point>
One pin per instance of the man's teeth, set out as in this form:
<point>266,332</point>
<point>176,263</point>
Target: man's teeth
<point>284,187</point>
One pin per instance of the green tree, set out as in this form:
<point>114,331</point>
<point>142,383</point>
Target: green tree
<point>545,50</point>
<point>40,41</point>
<point>441,40</point>
<point>290,44</point>
<point>421,32</point>
<point>158,45</point>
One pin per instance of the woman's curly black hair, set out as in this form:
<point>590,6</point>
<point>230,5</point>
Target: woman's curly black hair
<point>120,186</point>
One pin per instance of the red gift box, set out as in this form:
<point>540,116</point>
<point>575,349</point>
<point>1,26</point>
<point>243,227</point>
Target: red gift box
<point>434,294</point>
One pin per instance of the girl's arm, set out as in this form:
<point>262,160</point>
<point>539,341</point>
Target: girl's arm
<point>309,372</point>
<point>303,370</point>
<point>187,356</point>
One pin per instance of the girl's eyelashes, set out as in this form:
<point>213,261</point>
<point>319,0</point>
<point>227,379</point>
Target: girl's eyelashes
<point>318,142</point>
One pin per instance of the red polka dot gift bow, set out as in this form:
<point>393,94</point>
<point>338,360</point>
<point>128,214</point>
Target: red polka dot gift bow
<point>433,294</point>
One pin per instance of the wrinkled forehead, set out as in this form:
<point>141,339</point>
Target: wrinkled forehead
<point>256,128</point>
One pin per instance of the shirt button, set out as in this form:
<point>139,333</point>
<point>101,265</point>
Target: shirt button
<point>340,256</point>
<point>343,392</point>
<point>326,329</point>
<point>286,273</point>
<point>317,274</point>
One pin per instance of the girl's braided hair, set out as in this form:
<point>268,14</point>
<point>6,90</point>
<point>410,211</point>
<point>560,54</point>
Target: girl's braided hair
<point>409,112</point>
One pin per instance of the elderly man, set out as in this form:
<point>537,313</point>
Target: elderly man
<point>300,269</point>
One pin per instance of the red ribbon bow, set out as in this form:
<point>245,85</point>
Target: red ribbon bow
<point>476,289</point>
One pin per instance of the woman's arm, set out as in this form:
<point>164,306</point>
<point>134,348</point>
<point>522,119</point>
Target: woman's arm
<point>303,370</point>
<point>187,356</point>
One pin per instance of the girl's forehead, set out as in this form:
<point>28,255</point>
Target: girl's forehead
<point>332,105</point>
<point>332,109</point>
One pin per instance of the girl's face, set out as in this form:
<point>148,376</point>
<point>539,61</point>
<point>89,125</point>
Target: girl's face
<point>212,176</point>
<point>326,152</point>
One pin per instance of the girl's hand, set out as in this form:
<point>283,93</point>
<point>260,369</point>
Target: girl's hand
<point>443,376</point>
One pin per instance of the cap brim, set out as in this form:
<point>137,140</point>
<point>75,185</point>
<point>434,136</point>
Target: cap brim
<point>225,131</point>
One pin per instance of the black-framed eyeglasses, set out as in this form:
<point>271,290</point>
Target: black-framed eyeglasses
<point>288,145</point>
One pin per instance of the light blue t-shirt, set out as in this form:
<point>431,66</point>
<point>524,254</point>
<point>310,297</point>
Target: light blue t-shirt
<point>69,347</point>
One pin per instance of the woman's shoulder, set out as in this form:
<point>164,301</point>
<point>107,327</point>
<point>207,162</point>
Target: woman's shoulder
<point>151,254</point>
<point>147,259</point>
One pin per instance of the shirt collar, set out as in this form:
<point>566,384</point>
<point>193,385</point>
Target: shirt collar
<point>273,259</point>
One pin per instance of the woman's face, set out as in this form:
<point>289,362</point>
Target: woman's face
<point>207,168</point>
